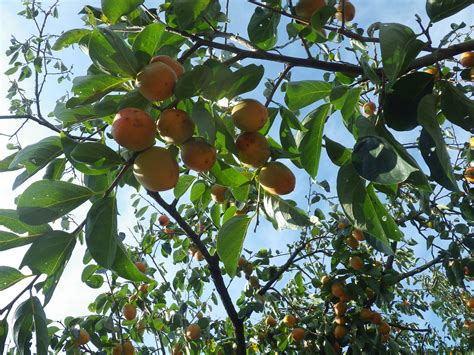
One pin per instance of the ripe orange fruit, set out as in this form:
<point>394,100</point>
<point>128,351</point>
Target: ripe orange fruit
<point>467,59</point>
<point>248,269</point>
<point>349,11</point>
<point>385,337</point>
<point>198,256</point>
<point>218,193</point>
<point>133,129</point>
<point>337,289</point>
<point>369,108</point>
<point>469,175</point>
<point>276,178</point>
<point>242,211</point>
<point>341,225</point>
<point>376,318</point>
<point>156,81</point>
<point>270,321</point>
<point>128,348</point>
<point>307,8</point>
<point>384,328</point>
<point>117,350</point>
<point>352,242</point>
<point>365,314</point>
<point>83,337</point>
<point>324,280</point>
<point>176,350</point>
<point>433,71</point>
<point>249,115</point>
<point>340,320</point>
<point>143,288</point>
<point>154,176</point>
<point>129,311</point>
<point>357,263</point>
<point>175,126</point>
<point>198,155</point>
<point>345,297</point>
<point>253,149</point>
<point>297,334</point>
<point>358,234</point>
<point>340,308</point>
<point>242,261</point>
<point>163,220</point>
<point>340,332</point>
<point>193,332</point>
<point>471,143</point>
<point>140,266</point>
<point>172,63</point>
<point>470,303</point>
<point>289,320</point>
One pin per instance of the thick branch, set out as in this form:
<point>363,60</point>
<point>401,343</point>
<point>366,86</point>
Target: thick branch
<point>421,268</point>
<point>213,263</point>
<point>404,327</point>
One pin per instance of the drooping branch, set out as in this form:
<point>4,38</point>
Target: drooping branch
<point>213,264</point>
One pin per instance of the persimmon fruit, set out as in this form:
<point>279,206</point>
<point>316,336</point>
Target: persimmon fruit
<point>253,149</point>
<point>129,311</point>
<point>198,155</point>
<point>297,334</point>
<point>349,11</point>
<point>276,178</point>
<point>156,81</point>
<point>172,63</point>
<point>289,320</point>
<point>133,129</point>
<point>249,115</point>
<point>467,59</point>
<point>193,332</point>
<point>307,8</point>
<point>218,193</point>
<point>175,126</point>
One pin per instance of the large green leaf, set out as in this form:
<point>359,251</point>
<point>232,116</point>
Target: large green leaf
<point>345,99</point>
<point>5,163</point>
<point>227,175</point>
<point>124,267</point>
<point>55,169</point>
<point>47,200</point>
<point>96,155</point>
<point>188,11</point>
<point>244,80</point>
<point>263,28</point>
<point>184,182</point>
<point>205,122</point>
<point>92,88</point>
<point>36,156</point>
<point>401,105</point>
<point>338,154</point>
<point>29,317</point>
<point>151,39</point>
<point>457,108</point>
<point>70,116</point>
<point>9,276</point>
<point>114,9</point>
<point>230,240</point>
<point>70,37</point>
<point>440,9</point>
<point>10,240</point>
<point>192,82</point>
<point>399,46</point>
<point>376,160</point>
<point>432,145</point>
<point>68,146</point>
<point>363,208</point>
<point>310,142</point>
<point>303,93</point>
<point>284,214</point>
<point>101,231</point>
<point>46,255</point>
<point>11,220</point>
<point>111,54</point>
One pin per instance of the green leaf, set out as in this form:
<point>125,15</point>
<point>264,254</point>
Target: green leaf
<point>432,145</point>
<point>244,80</point>
<point>227,175</point>
<point>96,155</point>
<point>55,169</point>
<point>11,220</point>
<point>9,276</point>
<point>124,267</point>
<point>321,17</point>
<point>30,316</point>
<point>457,108</point>
<point>101,231</point>
<point>376,160</point>
<point>70,37</point>
<point>263,28</point>
<point>110,53</point>
<point>192,82</point>
<point>363,208</point>
<point>197,191</point>
<point>399,47</point>
<point>5,163</point>
<point>284,214</point>
<point>47,200</point>
<point>68,146</point>
<point>3,334</point>
<point>440,9</point>
<point>184,182</point>
<point>36,156</point>
<point>230,240</point>
<point>401,105</point>
<point>204,121</point>
<point>303,93</point>
<point>9,240</point>
<point>188,11</point>
<point>338,154</point>
<point>114,9</point>
<point>47,254</point>
<point>310,142</point>
<point>92,88</point>
<point>70,116</point>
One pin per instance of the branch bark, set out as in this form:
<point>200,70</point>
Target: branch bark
<point>421,268</point>
<point>213,264</point>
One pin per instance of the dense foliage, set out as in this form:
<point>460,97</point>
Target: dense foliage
<point>386,244</point>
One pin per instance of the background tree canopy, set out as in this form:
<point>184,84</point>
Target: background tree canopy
<point>345,146</point>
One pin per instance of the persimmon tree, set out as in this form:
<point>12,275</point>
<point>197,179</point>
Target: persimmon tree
<point>385,243</point>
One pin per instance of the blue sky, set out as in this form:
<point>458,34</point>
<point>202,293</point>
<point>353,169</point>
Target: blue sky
<point>71,291</point>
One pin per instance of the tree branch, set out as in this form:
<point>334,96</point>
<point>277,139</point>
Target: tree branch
<point>421,268</point>
<point>404,327</point>
<point>213,264</point>
<point>12,302</point>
